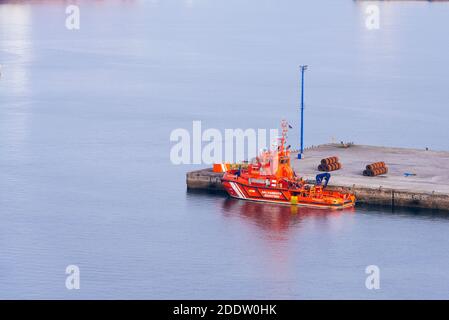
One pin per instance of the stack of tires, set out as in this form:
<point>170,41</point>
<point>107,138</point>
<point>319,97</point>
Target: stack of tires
<point>329,164</point>
<point>375,169</point>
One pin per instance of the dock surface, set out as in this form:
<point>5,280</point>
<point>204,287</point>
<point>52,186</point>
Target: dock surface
<point>428,187</point>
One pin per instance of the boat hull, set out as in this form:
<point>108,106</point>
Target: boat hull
<point>247,192</point>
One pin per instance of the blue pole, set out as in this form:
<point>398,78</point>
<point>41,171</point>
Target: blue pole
<point>303,68</point>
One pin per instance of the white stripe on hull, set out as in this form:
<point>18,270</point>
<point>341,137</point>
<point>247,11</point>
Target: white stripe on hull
<point>237,189</point>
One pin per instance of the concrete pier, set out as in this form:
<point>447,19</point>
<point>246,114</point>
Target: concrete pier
<point>428,187</point>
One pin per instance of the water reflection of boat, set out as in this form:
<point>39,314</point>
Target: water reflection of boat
<point>274,217</point>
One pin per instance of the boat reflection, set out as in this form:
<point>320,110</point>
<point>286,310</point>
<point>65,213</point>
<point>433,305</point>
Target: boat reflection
<point>276,217</point>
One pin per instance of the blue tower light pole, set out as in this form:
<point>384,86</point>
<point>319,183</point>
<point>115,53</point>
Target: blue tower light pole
<point>303,69</point>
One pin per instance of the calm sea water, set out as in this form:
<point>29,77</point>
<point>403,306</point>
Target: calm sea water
<point>85,174</point>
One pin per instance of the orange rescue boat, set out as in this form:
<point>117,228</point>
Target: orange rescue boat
<point>270,178</point>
